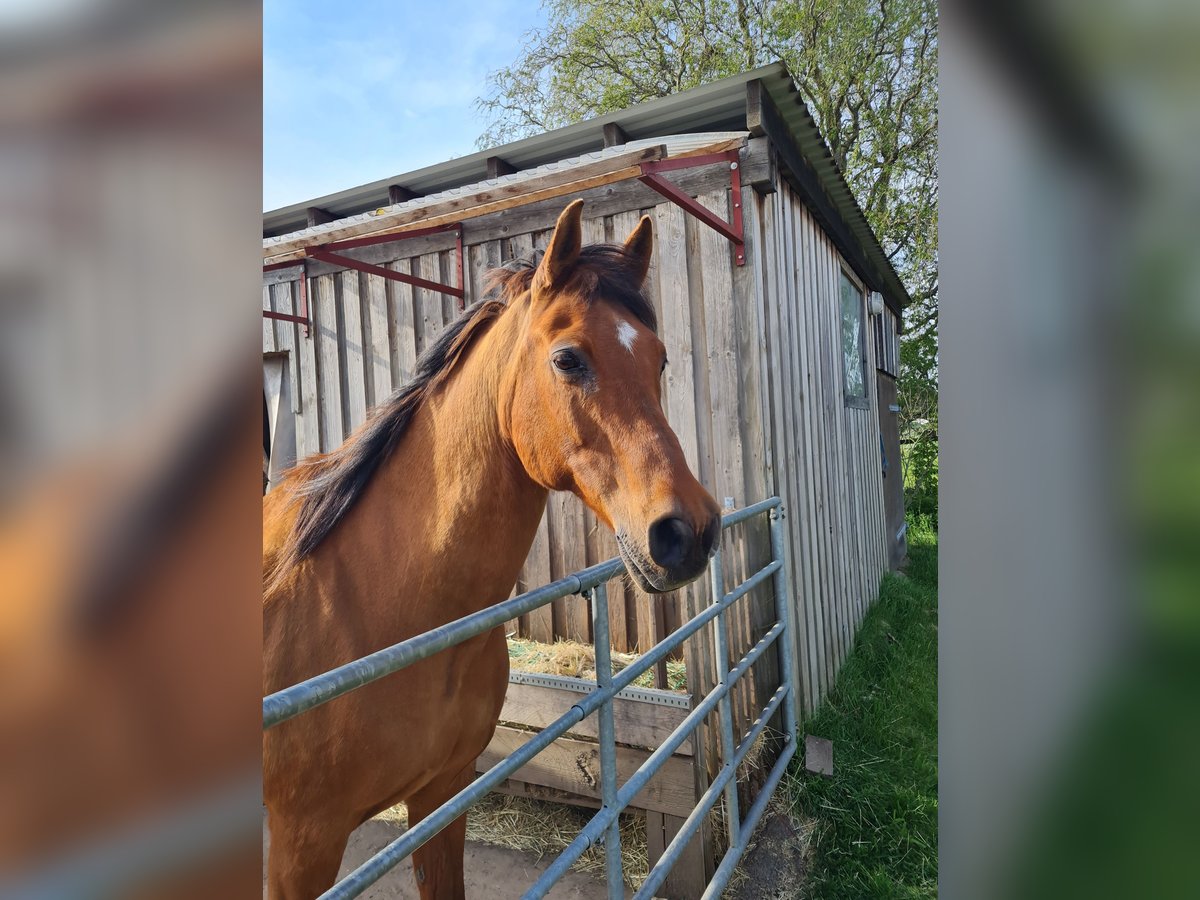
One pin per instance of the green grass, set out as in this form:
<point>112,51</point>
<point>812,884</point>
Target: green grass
<point>876,831</point>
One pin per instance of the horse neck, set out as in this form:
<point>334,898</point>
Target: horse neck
<point>454,493</point>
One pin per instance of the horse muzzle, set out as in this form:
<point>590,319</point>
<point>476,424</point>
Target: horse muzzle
<point>675,553</point>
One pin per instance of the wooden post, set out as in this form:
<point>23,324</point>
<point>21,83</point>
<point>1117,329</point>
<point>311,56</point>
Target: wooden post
<point>497,167</point>
<point>754,108</point>
<point>614,135</point>
<point>318,216</point>
<point>694,868</point>
<point>398,193</point>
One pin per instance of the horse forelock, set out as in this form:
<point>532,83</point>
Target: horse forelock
<point>603,272</point>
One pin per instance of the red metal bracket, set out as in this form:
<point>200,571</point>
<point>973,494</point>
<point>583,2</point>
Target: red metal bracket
<point>302,318</point>
<point>325,253</point>
<point>732,229</point>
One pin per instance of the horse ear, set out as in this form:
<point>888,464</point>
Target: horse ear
<point>563,251</point>
<point>639,247</point>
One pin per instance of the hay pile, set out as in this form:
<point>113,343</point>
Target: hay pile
<point>575,660</point>
<point>545,829</point>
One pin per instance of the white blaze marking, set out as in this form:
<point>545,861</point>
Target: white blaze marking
<point>626,334</point>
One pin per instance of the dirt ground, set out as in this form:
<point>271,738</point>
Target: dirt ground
<point>492,872</point>
<point>776,865</point>
<point>773,869</point>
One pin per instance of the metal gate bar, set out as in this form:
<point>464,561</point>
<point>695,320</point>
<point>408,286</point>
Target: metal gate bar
<point>692,823</point>
<point>725,707</point>
<point>608,742</point>
<point>603,827</point>
<point>592,831</point>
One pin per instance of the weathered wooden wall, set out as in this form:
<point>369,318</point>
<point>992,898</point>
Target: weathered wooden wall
<point>753,390</point>
<point>822,454</point>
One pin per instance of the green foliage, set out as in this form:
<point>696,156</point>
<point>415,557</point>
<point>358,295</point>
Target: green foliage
<point>876,818</point>
<point>866,68</point>
<point>921,479</point>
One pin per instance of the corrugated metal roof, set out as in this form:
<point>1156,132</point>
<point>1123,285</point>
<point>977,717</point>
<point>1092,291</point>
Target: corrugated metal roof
<point>719,106</point>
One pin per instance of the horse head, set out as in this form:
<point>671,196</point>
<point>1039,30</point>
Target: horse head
<point>583,384</point>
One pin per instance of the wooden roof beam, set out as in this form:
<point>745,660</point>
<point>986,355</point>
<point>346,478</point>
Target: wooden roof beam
<point>318,216</point>
<point>461,206</point>
<point>398,193</point>
<point>497,167</point>
<point>614,135</point>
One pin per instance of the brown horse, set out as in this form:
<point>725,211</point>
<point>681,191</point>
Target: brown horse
<point>427,513</point>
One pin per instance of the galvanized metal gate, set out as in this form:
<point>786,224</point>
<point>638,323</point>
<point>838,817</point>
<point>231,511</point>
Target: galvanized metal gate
<point>603,827</point>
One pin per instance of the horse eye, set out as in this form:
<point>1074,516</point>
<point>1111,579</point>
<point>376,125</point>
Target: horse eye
<point>566,361</point>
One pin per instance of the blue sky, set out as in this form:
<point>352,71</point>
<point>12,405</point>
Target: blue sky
<point>358,91</point>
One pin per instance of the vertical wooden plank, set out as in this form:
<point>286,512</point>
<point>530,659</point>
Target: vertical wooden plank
<point>482,258</point>
<point>427,304</point>
<point>329,376</point>
<point>402,327</point>
<point>285,340</point>
<point>567,555</point>
<point>601,546</point>
<point>308,425</point>
<point>808,327</point>
<point>724,410</point>
<point>753,426</point>
<point>692,871</point>
<point>721,355</point>
<point>535,574</point>
<point>379,368</point>
<point>448,267</point>
<point>268,327</point>
<point>352,348</point>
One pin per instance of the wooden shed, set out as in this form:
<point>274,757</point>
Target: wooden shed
<point>781,316</point>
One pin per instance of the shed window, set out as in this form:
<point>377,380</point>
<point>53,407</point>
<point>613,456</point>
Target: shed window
<point>853,354</point>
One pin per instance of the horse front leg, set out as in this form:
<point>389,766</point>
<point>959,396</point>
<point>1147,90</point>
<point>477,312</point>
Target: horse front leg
<point>438,865</point>
<point>304,856</point>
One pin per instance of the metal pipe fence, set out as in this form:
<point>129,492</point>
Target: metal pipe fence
<point>603,827</point>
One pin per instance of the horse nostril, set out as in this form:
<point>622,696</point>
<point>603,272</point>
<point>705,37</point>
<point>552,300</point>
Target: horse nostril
<point>670,542</point>
<point>712,534</point>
